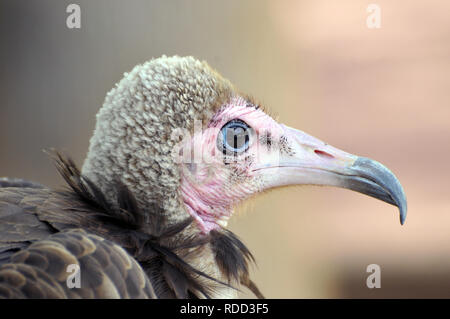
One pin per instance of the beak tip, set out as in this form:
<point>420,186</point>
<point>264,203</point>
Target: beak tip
<point>400,201</point>
<point>403,211</point>
<point>380,183</point>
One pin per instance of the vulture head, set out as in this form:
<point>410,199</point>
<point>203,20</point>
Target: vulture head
<point>186,142</point>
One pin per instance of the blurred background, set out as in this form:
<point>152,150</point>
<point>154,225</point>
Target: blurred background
<point>381,93</point>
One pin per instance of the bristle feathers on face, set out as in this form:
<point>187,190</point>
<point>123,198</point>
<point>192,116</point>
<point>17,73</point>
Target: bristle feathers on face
<point>224,178</point>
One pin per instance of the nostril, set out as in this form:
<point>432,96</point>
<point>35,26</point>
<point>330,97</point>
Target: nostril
<point>323,154</point>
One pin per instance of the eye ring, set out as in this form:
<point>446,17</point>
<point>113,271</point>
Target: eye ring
<point>234,137</point>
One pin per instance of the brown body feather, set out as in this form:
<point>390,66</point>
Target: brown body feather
<point>106,270</point>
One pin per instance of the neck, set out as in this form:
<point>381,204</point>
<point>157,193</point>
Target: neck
<point>210,210</point>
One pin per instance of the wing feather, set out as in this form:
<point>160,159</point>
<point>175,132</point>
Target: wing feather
<point>41,270</point>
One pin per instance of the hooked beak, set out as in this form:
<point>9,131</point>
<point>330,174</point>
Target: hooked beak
<point>304,159</point>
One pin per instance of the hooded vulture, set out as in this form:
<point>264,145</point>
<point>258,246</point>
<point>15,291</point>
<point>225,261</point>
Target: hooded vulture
<point>175,148</point>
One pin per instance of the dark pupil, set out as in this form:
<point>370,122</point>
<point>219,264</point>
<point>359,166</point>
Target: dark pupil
<point>235,137</point>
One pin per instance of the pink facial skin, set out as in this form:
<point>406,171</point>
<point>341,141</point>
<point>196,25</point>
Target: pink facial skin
<point>277,155</point>
<point>213,185</point>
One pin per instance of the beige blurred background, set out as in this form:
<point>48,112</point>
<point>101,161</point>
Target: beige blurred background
<point>381,93</point>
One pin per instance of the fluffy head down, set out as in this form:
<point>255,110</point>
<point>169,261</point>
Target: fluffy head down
<point>133,141</point>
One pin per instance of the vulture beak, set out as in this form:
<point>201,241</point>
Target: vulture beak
<point>304,159</point>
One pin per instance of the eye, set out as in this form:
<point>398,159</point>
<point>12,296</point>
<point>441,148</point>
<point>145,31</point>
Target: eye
<point>234,137</point>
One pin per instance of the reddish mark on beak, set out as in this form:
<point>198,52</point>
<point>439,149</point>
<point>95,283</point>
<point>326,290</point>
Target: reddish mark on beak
<point>324,154</point>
